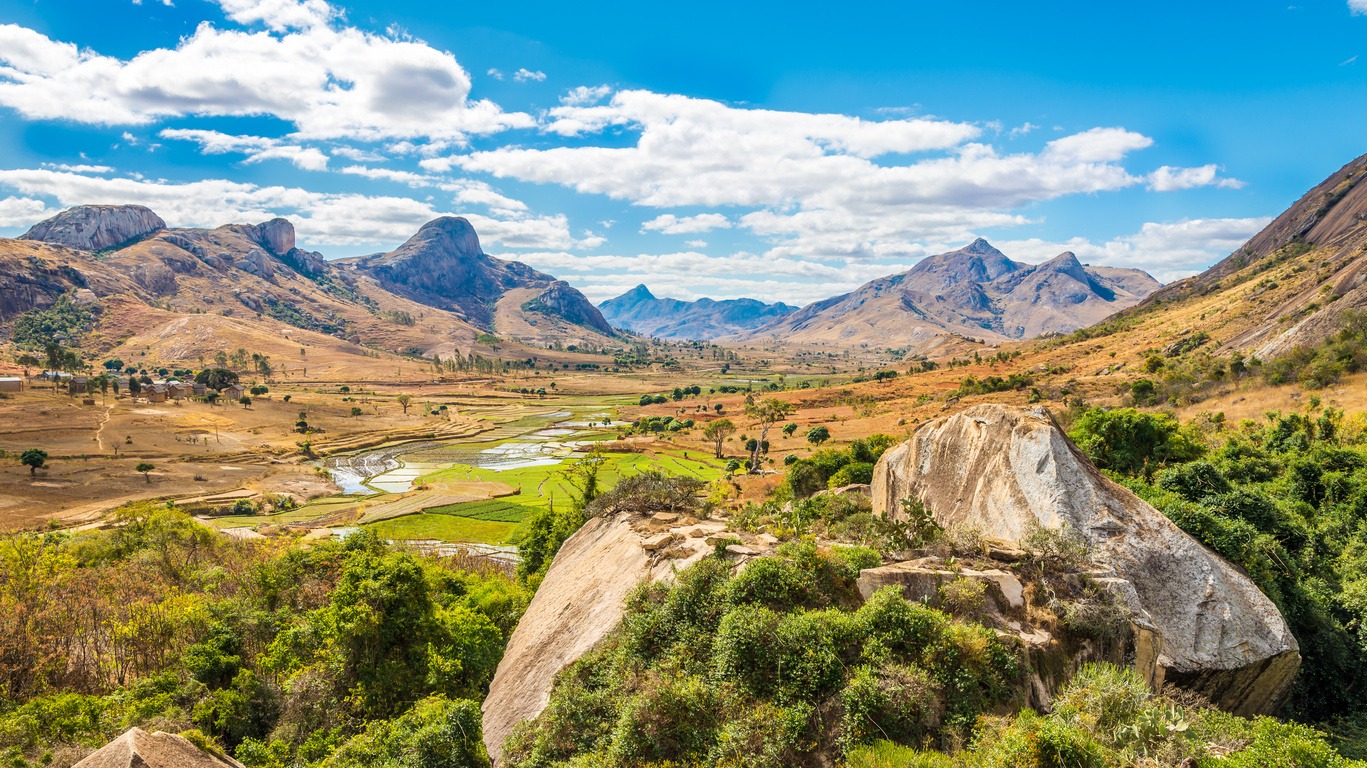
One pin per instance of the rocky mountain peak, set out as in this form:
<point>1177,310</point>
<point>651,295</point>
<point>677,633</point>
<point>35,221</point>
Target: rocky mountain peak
<point>96,227</point>
<point>277,235</point>
<point>452,234</point>
<point>1067,264</point>
<point>639,293</point>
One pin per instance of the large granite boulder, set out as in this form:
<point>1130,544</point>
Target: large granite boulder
<point>96,227</point>
<point>137,748</point>
<point>1006,471</point>
<point>579,602</point>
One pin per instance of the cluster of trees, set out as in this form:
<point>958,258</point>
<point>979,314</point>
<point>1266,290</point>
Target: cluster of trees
<point>338,654</point>
<point>836,467</point>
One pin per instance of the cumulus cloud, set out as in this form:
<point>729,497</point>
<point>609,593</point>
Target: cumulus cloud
<point>1169,178</point>
<point>279,15</point>
<point>1358,7</point>
<point>584,95</point>
<point>329,81</point>
<point>322,219</point>
<point>256,148</point>
<point>22,211</point>
<point>670,224</point>
<point>524,75</point>
<point>826,185</point>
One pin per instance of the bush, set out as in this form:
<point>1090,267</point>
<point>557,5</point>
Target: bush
<point>1132,442</point>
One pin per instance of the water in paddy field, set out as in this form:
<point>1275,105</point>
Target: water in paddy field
<point>529,442</point>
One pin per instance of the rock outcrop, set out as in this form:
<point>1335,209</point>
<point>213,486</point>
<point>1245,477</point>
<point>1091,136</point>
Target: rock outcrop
<point>1005,471</point>
<point>579,602</point>
<point>137,748</point>
<point>96,227</point>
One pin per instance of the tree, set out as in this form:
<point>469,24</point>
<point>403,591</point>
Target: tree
<point>35,459</point>
<point>146,470</point>
<point>28,361</point>
<point>113,365</point>
<point>1133,442</point>
<point>134,386</point>
<point>245,401</point>
<point>716,432</point>
<point>766,413</point>
<point>403,401</point>
<point>104,387</point>
<point>216,378</point>
<point>818,435</point>
<point>789,429</point>
<point>259,390</point>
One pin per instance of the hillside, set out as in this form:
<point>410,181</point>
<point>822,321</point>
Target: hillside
<point>976,292</point>
<point>639,311</point>
<point>181,289</point>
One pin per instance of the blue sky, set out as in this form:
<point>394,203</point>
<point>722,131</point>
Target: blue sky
<point>782,151</point>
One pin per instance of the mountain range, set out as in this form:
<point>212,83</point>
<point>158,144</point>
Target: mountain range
<point>640,312</point>
<point>438,293</point>
<point>975,292</point>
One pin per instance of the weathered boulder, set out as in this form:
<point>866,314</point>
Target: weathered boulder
<point>1005,471</point>
<point>137,748</point>
<point>920,581</point>
<point>96,227</point>
<point>579,602</point>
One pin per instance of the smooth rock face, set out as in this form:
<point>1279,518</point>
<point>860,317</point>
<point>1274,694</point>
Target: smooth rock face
<point>96,227</point>
<point>277,235</point>
<point>578,603</point>
<point>137,748</point>
<point>1003,471</point>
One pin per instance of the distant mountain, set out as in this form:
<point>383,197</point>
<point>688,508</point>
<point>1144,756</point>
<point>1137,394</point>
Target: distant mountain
<point>975,292</point>
<point>639,311</point>
<point>443,266</point>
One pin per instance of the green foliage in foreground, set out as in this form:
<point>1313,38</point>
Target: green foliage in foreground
<point>775,666</point>
<point>1286,500</point>
<point>1107,718</point>
<point>65,322</point>
<point>338,653</point>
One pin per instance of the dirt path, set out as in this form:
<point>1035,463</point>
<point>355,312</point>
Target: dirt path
<point>99,433</point>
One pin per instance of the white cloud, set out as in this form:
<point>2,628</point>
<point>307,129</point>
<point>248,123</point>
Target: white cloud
<point>279,15</point>
<point>357,154</point>
<point>1358,7</point>
<point>670,224</point>
<point>584,95</point>
<point>79,168</point>
<point>330,82</point>
<point>1169,178</point>
<point>22,211</point>
<point>322,219</point>
<point>494,73</point>
<point>256,148</point>
<point>1167,250</point>
<point>388,174</point>
<point>696,243</point>
<point>1022,129</point>
<point>525,75</point>
<point>820,183</point>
